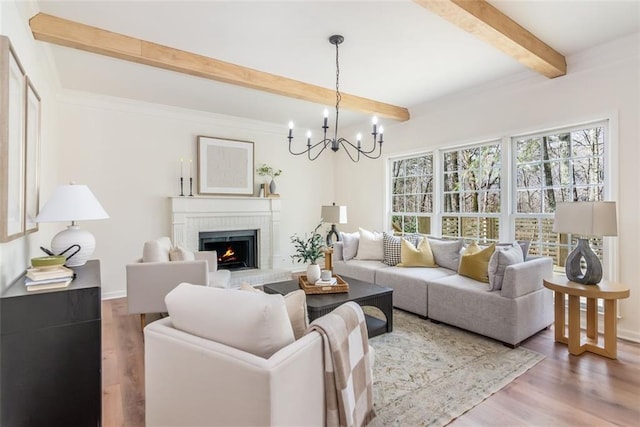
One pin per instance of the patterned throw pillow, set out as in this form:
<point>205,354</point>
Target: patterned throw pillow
<point>392,247</point>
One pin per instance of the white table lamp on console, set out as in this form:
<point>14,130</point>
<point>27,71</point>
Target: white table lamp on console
<point>72,203</point>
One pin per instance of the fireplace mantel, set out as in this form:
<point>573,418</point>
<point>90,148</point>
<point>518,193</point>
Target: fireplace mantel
<point>193,214</point>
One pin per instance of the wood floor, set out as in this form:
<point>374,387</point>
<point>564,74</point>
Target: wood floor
<point>562,390</point>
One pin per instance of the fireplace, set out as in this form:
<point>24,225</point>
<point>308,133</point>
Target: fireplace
<point>236,249</point>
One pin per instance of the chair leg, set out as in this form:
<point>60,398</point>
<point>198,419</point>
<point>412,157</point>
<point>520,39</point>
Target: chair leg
<point>142,321</point>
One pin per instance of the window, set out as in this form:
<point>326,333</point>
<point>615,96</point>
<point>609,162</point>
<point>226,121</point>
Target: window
<point>471,192</point>
<point>412,194</point>
<point>559,166</point>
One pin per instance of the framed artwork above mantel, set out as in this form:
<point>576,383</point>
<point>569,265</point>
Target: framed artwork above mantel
<point>225,166</point>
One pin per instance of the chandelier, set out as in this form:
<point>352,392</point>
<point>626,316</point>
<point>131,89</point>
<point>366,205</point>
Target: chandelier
<point>354,151</point>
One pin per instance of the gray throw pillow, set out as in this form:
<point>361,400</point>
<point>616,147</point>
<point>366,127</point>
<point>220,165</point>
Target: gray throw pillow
<point>503,257</point>
<point>446,252</point>
<point>349,245</point>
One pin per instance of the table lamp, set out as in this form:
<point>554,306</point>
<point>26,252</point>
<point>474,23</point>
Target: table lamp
<point>585,219</point>
<point>335,215</point>
<point>72,203</point>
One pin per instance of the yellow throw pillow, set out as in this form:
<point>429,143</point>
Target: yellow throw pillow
<point>471,249</point>
<point>410,256</point>
<point>476,265</point>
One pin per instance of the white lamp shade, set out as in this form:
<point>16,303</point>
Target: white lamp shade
<point>71,203</point>
<point>334,214</point>
<point>586,218</point>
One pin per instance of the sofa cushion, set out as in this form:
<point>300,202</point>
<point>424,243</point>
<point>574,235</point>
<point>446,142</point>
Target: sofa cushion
<point>181,254</point>
<point>296,303</point>
<point>420,256</point>
<point>349,245</point>
<point>476,264</point>
<point>370,245</point>
<point>392,246</point>
<point>446,253</point>
<point>501,258</point>
<point>253,322</point>
<point>364,270</point>
<point>156,250</point>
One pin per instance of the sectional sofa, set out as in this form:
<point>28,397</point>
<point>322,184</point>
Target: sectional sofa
<point>521,308</point>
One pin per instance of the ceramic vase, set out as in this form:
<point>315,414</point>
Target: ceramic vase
<point>272,187</point>
<point>313,273</point>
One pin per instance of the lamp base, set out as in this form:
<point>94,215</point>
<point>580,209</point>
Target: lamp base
<point>74,235</point>
<point>593,273</point>
<point>332,232</point>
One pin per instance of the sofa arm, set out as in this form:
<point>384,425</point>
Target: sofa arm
<point>526,277</point>
<point>337,252</point>
<point>210,256</point>
<point>149,282</point>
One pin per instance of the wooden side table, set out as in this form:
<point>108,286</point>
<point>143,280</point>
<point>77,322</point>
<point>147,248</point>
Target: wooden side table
<point>328,259</point>
<point>609,292</point>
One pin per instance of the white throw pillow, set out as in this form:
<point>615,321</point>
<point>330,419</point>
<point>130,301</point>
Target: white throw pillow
<point>370,246</point>
<point>156,250</point>
<point>254,322</point>
<point>181,254</point>
<point>349,245</point>
<point>501,258</point>
<point>296,303</point>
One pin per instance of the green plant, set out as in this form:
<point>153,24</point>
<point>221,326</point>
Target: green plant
<point>310,248</point>
<point>266,170</point>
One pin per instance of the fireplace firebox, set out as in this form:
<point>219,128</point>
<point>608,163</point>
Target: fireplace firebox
<point>236,249</point>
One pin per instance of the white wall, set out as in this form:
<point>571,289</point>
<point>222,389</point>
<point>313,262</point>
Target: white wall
<point>15,255</point>
<point>601,83</point>
<point>128,154</point>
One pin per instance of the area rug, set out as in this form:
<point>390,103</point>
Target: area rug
<point>427,374</point>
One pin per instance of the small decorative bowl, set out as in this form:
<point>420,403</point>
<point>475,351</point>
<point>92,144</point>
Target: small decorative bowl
<point>48,261</point>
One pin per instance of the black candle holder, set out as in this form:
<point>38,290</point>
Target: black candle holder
<point>191,186</point>
<point>181,186</point>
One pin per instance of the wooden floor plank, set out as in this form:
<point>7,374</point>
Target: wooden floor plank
<point>562,390</point>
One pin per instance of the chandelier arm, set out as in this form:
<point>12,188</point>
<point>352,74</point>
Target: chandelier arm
<point>344,142</point>
<point>308,150</point>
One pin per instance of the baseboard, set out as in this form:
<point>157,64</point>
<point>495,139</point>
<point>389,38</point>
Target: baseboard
<point>628,335</point>
<point>114,294</point>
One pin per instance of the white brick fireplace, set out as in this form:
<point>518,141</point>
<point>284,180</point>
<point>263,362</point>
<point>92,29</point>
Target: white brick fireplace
<point>192,215</point>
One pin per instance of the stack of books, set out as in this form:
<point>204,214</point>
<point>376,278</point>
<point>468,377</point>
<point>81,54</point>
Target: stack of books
<point>42,278</point>
<point>331,282</point>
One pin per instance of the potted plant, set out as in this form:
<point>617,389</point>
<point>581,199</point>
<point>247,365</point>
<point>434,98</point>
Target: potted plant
<point>266,170</point>
<point>309,249</point>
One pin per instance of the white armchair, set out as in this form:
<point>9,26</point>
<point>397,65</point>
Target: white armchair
<point>151,278</point>
<point>229,358</point>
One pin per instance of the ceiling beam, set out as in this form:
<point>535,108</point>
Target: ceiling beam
<point>91,39</point>
<point>494,27</point>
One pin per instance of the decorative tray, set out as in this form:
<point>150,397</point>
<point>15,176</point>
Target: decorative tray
<point>340,287</point>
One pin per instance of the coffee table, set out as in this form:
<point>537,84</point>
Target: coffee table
<point>362,293</point>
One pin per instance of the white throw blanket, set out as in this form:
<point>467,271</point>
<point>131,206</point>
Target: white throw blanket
<point>348,379</point>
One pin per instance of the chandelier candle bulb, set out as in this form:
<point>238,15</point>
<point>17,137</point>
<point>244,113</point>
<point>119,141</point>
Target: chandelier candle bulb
<point>290,130</point>
<point>326,117</point>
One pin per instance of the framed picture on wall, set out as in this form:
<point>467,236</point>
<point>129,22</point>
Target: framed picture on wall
<point>225,166</point>
<point>32,157</point>
<point>12,146</point>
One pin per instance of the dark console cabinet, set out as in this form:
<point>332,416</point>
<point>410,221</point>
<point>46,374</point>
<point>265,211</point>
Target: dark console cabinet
<point>51,353</point>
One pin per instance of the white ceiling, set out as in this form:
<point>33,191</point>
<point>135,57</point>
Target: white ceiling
<point>394,51</point>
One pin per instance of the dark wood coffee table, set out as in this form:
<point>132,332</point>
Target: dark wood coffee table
<point>360,292</point>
